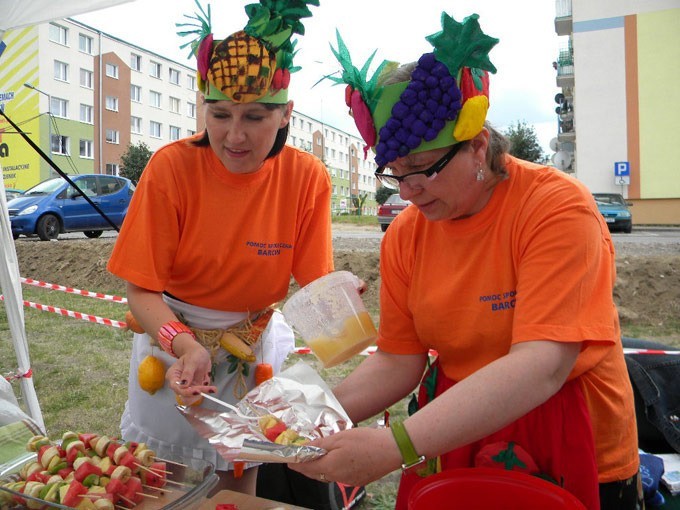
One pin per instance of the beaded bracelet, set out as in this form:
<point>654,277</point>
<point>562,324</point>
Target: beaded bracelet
<point>168,332</point>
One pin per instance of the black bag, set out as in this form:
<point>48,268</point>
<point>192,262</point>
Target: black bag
<point>279,483</point>
<point>656,387</point>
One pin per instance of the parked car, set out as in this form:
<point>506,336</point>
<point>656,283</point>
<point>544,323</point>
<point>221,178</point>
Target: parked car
<point>615,211</point>
<point>389,210</point>
<point>54,206</point>
<point>11,193</point>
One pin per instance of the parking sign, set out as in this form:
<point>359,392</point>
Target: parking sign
<point>622,169</point>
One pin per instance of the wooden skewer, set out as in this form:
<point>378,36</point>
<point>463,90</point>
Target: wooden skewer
<point>129,501</point>
<point>171,462</point>
<point>160,489</point>
<point>154,471</point>
<point>179,483</point>
<point>146,495</point>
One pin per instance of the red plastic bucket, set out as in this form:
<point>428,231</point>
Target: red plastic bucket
<point>489,489</point>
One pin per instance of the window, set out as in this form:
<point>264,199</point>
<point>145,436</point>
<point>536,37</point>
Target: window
<point>136,93</point>
<point>86,78</point>
<point>191,82</point>
<point>135,62</point>
<point>173,76</point>
<point>60,145</point>
<point>191,132</point>
<point>111,169</point>
<point>175,133</point>
<point>85,44</point>
<point>112,71</point>
<point>86,149</point>
<point>58,34</point>
<point>174,105</point>
<point>155,129</point>
<point>191,110</point>
<point>136,125</point>
<point>292,121</point>
<point>293,140</point>
<point>112,103</point>
<point>112,136</point>
<point>155,99</point>
<point>59,107</point>
<point>86,114</point>
<point>60,71</point>
<point>155,69</point>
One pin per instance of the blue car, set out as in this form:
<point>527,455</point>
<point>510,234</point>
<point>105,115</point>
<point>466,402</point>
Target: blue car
<point>54,206</point>
<point>615,210</point>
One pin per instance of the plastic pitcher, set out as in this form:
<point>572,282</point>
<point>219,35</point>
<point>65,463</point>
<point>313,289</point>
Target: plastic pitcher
<point>331,318</point>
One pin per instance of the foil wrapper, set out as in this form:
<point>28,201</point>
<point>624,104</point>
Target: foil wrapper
<point>297,396</point>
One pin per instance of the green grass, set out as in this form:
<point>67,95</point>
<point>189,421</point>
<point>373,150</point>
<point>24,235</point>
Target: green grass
<point>352,219</point>
<point>80,369</point>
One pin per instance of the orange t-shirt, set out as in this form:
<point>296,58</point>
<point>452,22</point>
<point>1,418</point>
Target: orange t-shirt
<point>221,240</point>
<point>536,263</point>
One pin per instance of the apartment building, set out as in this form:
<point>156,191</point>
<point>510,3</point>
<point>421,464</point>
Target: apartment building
<point>82,96</point>
<point>619,107</point>
<point>343,154</point>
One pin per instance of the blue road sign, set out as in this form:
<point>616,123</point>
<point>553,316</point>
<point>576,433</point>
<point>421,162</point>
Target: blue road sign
<point>621,169</point>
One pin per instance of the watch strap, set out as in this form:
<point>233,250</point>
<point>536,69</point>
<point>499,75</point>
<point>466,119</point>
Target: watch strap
<point>405,445</point>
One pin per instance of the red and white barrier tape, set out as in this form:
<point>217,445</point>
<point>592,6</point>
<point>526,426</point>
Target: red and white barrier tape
<point>74,315</point>
<point>71,290</point>
<point>627,350</point>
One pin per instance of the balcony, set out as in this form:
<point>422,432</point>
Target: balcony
<point>563,21</point>
<point>565,69</point>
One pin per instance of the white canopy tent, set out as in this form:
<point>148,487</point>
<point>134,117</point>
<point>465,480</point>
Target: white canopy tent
<point>17,14</point>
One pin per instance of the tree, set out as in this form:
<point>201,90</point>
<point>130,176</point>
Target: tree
<point>358,203</point>
<point>524,142</point>
<point>134,160</point>
<point>383,193</point>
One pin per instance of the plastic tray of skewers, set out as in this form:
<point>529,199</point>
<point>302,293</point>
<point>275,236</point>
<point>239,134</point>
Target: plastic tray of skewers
<point>94,472</point>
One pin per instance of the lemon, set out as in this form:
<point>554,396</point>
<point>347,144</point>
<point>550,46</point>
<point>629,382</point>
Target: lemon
<point>180,401</point>
<point>151,374</point>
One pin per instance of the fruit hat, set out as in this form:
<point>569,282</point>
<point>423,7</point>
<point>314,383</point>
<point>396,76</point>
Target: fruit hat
<point>445,101</point>
<point>253,64</point>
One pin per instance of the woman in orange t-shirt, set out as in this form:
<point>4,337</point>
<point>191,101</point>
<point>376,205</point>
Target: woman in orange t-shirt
<point>218,224</point>
<point>503,267</point>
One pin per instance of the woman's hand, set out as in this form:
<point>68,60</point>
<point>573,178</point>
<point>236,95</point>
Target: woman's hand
<point>190,374</point>
<point>355,457</point>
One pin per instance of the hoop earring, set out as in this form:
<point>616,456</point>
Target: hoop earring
<point>480,173</point>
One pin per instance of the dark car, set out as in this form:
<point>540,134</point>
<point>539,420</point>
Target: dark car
<point>11,193</point>
<point>389,210</point>
<point>615,210</point>
<point>54,206</point>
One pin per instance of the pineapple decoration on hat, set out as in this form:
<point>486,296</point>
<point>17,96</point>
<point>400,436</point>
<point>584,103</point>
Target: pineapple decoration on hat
<point>444,102</point>
<point>253,64</point>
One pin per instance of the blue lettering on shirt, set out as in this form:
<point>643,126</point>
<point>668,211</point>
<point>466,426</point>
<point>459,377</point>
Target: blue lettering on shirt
<point>501,301</point>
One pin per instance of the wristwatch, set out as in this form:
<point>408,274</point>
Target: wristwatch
<point>408,452</point>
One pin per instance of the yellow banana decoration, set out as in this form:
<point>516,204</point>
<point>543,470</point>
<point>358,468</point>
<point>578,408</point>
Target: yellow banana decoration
<point>234,345</point>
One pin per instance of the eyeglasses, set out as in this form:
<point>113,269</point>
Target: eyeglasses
<point>416,180</point>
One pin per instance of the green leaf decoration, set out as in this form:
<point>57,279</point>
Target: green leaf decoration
<point>200,28</point>
<point>477,75</point>
<point>509,458</point>
<point>357,78</point>
<point>462,44</point>
<point>274,21</point>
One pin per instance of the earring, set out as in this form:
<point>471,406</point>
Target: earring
<point>480,173</point>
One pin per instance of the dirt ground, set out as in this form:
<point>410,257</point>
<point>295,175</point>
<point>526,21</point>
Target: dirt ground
<point>647,290</point>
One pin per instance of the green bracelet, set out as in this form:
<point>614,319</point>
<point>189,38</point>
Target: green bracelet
<point>408,451</point>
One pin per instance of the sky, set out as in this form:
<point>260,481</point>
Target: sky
<point>522,90</point>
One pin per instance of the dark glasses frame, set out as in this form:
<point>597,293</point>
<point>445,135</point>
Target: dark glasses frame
<point>393,181</point>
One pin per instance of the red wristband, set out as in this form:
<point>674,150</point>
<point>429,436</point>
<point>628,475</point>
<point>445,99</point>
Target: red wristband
<point>168,332</point>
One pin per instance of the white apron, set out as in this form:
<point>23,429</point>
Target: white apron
<point>154,420</point>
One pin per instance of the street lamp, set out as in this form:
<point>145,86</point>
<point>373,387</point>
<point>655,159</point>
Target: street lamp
<point>49,119</point>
